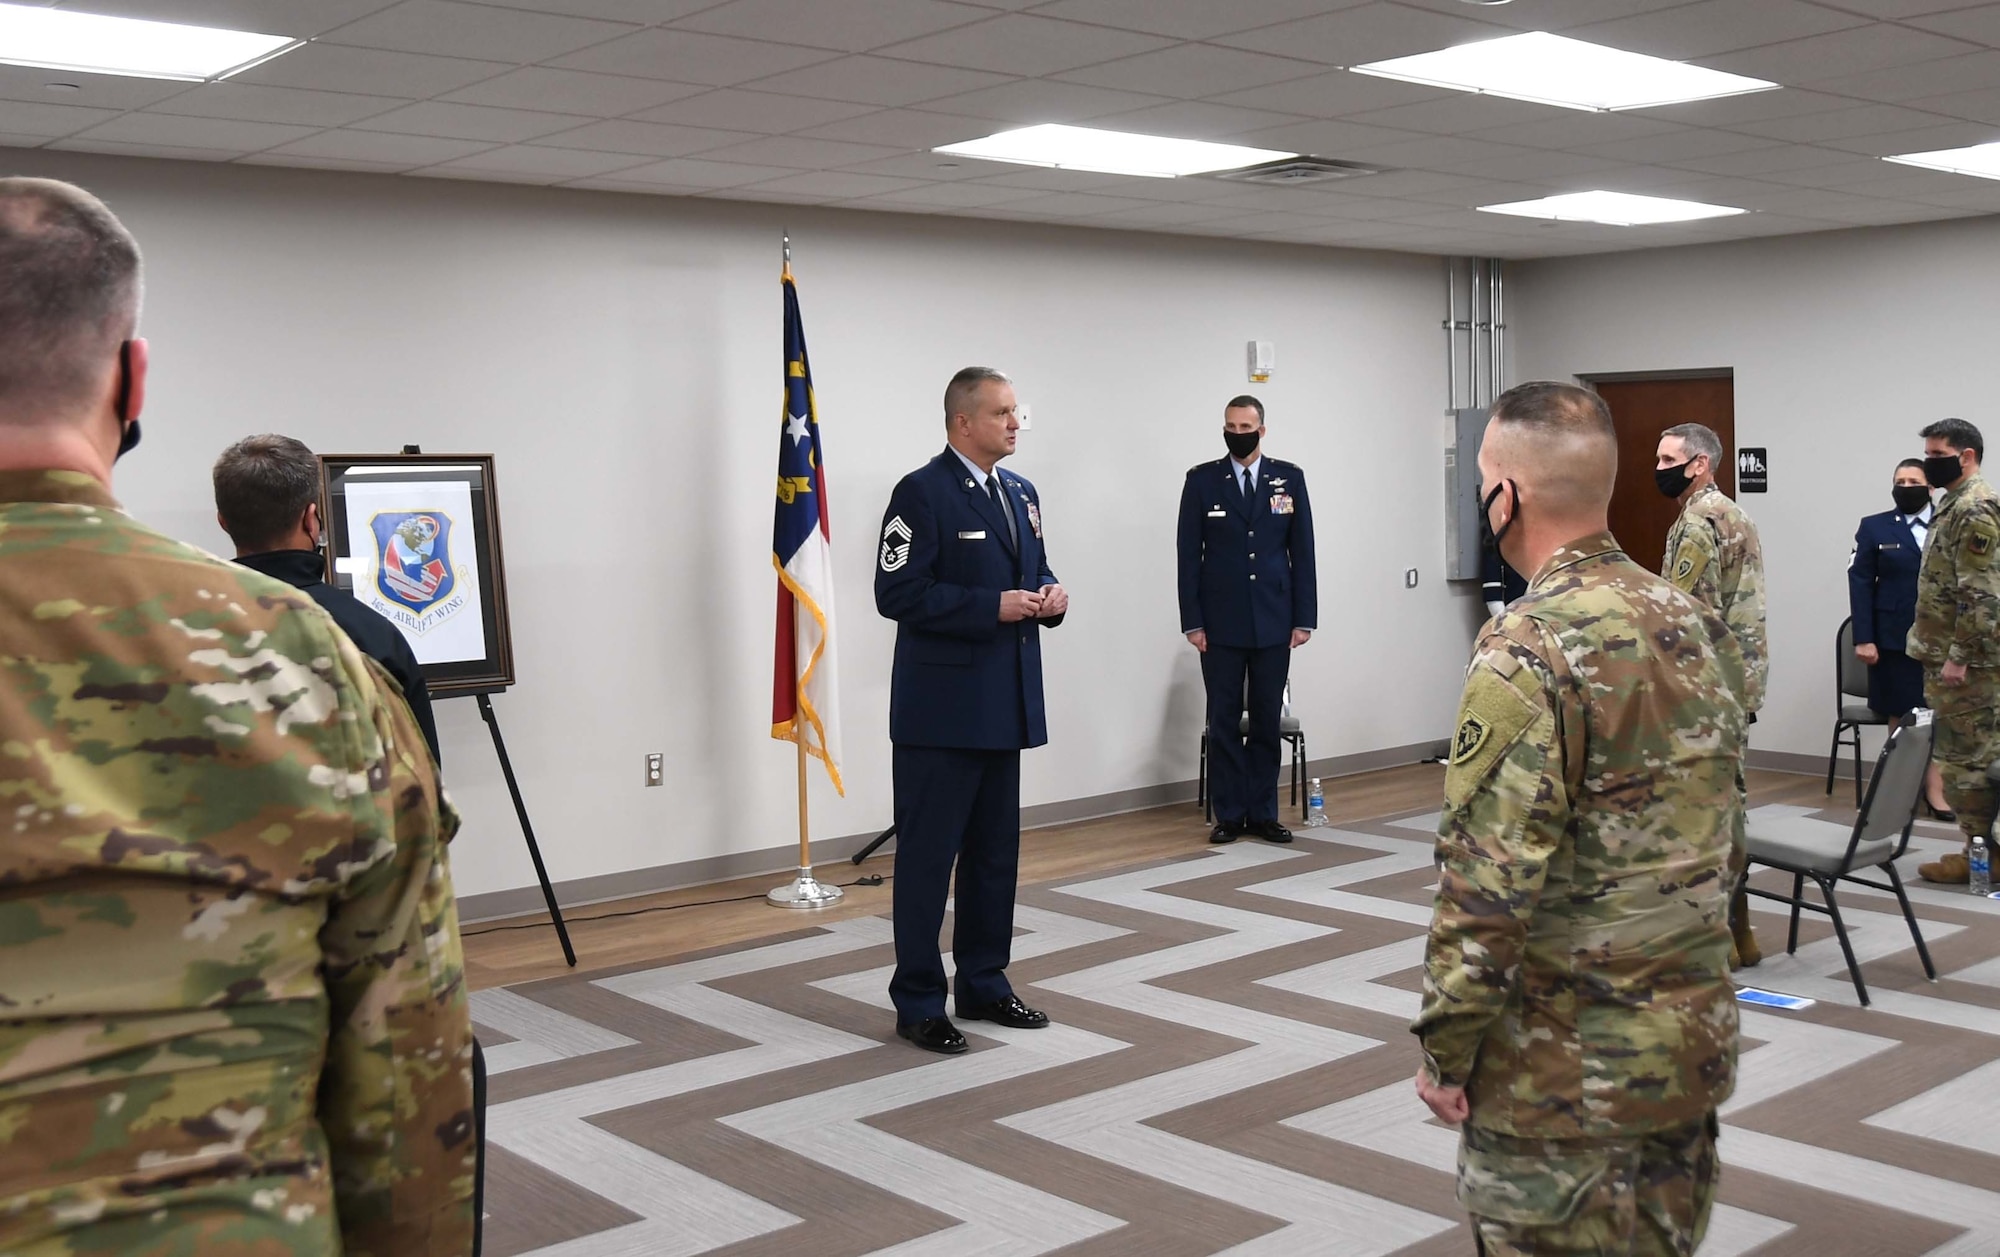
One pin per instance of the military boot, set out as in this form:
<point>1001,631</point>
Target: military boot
<point>1949,870</point>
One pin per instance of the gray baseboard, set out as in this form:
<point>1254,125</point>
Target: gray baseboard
<point>776,861</point>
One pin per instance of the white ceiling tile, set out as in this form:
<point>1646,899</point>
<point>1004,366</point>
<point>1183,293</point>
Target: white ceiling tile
<point>1887,213</point>
<point>1196,120</point>
<point>1977,106</point>
<point>292,161</point>
<point>404,151</point>
<point>1575,129</point>
<point>1540,166</point>
<point>1979,23</point>
<point>1853,171</point>
<point>114,148</point>
<point>1371,32</point>
<point>1894,182</point>
<point>1716,26</point>
<point>253,102</point>
<point>1855,51</point>
<point>1972,72</point>
<point>1466,111</point>
<point>48,121</point>
<point>551,163</point>
<point>1843,123</point>
<point>1193,71</point>
<point>691,57</point>
<point>266,17</point>
<point>846,27</point>
<point>1977,194</point>
<point>449,28</point>
<point>1762,162</point>
<point>468,122</point>
<point>648,139</point>
<point>94,91</point>
<point>572,91</point>
<point>1020,44</point>
<point>838,185</point>
<point>695,173</point>
<point>1326,139</point>
<point>1674,146</point>
<point>1729,111</point>
<point>1357,233</point>
<point>1922,140</point>
<point>619,183</point>
<point>752,194</point>
<point>1068,180</point>
<point>765,113</point>
<point>1074,205</point>
<point>902,128</point>
<point>1332,95</point>
<point>1552,15</point>
<point>1171,214</point>
<point>216,134</point>
<point>370,71</point>
<point>1042,101</point>
<point>943,167</point>
<point>1256,224</point>
<point>1189,19</point>
<point>801,154</point>
<point>878,81</point>
<point>642,12</point>
<point>956,195</point>
<point>1405,183</point>
<point>1434,152</point>
<point>1891,10</point>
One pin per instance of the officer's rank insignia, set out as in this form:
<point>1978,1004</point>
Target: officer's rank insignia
<point>895,544</point>
<point>1470,737</point>
<point>1034,516</point>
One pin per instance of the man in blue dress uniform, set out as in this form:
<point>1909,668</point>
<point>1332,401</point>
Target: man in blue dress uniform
<point>1249,596</point>
<point>962,571</point>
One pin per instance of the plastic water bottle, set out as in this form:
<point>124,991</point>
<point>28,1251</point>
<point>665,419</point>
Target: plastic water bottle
<point>1315,806</point>
<point>1980,857</point>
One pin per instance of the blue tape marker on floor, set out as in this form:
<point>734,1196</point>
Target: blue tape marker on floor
<point>1771,999</point>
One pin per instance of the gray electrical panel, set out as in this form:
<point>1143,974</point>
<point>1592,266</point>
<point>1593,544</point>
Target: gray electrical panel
<point>1462,557</point>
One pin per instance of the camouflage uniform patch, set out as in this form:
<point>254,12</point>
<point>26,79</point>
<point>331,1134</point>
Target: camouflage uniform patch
<point>232,1002</point>
<point>1958,621</point>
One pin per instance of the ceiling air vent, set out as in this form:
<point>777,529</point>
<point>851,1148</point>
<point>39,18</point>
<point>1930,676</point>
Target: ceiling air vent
<point>1294,171</point>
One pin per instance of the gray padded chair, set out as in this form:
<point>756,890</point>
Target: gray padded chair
<point>1289,732</point>
<point>1850,681</point>
<point>1828,852</point>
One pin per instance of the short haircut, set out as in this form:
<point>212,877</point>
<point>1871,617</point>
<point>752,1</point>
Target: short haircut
<point>263,485</point>
<point>964,387</point>
<point>1698,438</point>
<point>69,294</point>
<point>1958,434</point>
<point>1238,403</point>
<point>1909,464</point>
<point>1558,441</point>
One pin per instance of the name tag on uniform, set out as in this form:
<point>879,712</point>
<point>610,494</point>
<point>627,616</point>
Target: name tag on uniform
<point>1281,504</point>
<point>1217,513</point>
<point>973,536</point>
<point>1890,545</point>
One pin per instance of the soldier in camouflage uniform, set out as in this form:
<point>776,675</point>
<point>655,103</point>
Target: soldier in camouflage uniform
<point>233,1015</point>
<point>1578,1018</point>
<point>1714,553</point>
<point>1957,631</point>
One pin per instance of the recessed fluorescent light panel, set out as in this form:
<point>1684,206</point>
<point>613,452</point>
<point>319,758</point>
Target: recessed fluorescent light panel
<point>1551,70</point>
<point>56,39</point>
<point>1982,160</point>
<point>1617,209</point>
<point>1111,152</point>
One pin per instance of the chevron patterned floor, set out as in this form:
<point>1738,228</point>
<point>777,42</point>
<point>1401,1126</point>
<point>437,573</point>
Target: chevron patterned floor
<point>1229,1072</point>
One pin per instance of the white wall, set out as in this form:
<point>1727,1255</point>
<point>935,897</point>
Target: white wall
<point>620,355</point>
<point>1844,344</point>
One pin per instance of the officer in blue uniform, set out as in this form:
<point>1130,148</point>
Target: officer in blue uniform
<point>963,573</point>
<point>1249,596</point>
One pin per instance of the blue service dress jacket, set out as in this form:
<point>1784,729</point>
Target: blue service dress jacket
<point>962,678</point>
<point>1247,575</point>
<point>1882,581</point>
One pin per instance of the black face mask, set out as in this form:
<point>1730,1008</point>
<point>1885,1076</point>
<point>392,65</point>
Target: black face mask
<point>1673,481</point>
<point>1242,444</point>
<point>1942,470</point>
<point>1486,533</point>
<point>128,434</point>
<point>1911,499</point>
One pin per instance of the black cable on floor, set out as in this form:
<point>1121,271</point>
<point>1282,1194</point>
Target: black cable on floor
<point>872,879</point>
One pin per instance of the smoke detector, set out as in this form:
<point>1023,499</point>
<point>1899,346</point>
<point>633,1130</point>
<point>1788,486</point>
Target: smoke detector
<point>1294,171</point>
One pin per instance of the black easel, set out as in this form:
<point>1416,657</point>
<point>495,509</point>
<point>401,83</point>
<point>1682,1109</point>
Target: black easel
<point>875,845</point>
<point>527,829</point>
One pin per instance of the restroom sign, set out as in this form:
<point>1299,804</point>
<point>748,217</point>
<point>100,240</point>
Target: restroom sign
<point>1752,471</point>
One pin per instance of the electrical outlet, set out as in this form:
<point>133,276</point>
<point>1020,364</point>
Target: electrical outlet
<point>1410,579</point>
<point>656,769</point>
<point>1025,419</point>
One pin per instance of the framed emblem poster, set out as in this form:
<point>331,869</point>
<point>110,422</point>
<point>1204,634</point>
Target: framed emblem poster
<point>416,537</point>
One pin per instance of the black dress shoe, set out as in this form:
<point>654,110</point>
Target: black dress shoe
<point>1008,1012</point>
<point>1941,814</point>
<point>1225,831</point>
<point>1269,831</point>
<point>933,1034</point>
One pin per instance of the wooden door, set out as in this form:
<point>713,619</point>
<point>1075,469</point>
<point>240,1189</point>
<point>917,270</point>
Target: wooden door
<point>1642,409</point>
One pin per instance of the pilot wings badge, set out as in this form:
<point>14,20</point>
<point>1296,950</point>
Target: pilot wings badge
<point>896,539</point>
